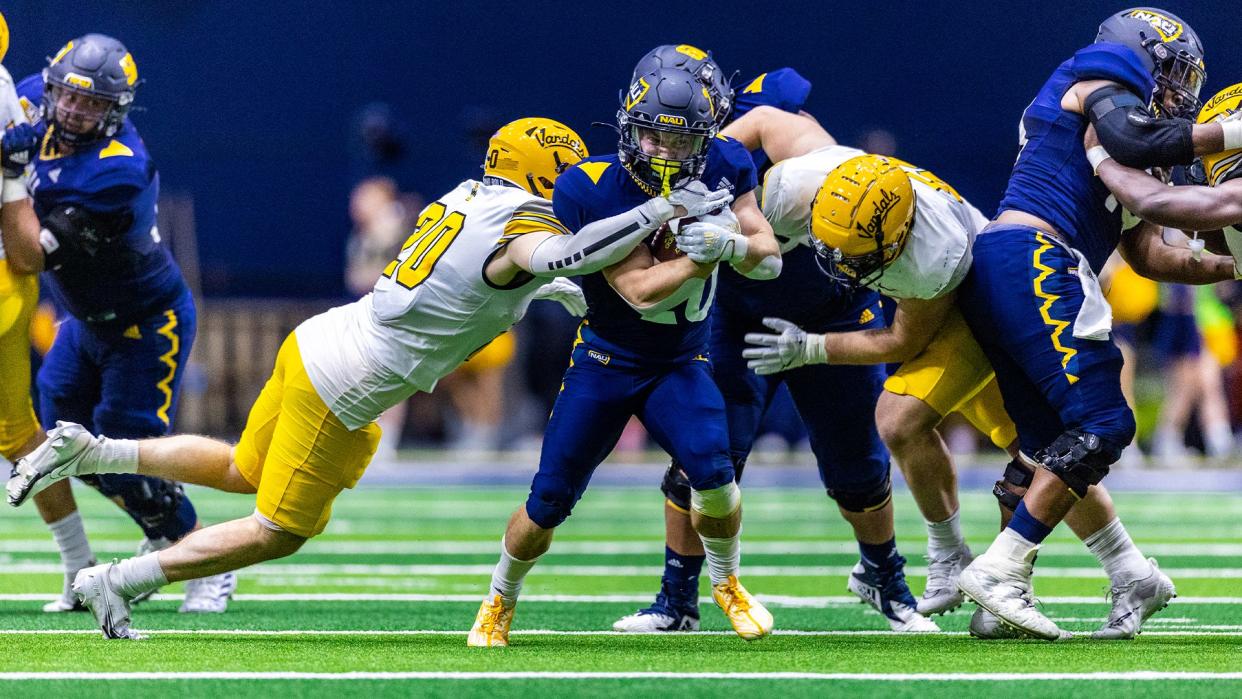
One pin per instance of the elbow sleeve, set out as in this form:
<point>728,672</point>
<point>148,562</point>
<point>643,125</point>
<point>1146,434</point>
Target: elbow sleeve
<point>1132,136</point>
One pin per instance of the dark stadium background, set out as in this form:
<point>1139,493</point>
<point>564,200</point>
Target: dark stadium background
<point>251,107</point>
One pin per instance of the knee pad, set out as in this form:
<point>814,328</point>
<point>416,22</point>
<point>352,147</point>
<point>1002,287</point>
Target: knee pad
<point>717,503</point>
<point>676,487</point>
<point>160,507</point>
<point>1017,475</point>
<point>865,499</point>
<point>1080,459</point>
<point>549,506</point>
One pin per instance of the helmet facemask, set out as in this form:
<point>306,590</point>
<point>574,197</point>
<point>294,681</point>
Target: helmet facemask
<point>79,116</point>
<point>1179,75</point>
<point>663,159</point>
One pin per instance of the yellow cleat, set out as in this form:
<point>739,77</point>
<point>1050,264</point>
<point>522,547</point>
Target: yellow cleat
<point>491,625</point>
<point>751,620</point>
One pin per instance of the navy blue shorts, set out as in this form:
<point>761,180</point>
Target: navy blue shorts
<point>1020,300</point>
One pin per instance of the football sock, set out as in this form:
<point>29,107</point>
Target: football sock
<point>1115,550</point>
<point>134,576</point>
<point>1012,546</point>
<point>681,577</point>
<point>70,536</point>
<point>946,535</point>
<point>508,575</point>
<point>882,556</point>
<point>1029,528</point>
<point>723,556</point>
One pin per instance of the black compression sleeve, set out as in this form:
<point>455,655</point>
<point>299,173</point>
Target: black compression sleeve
<point>1132,135</point>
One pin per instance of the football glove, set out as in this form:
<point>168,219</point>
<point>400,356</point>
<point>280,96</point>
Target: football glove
<point>788,348</point>
<point>566,293</point>
<point>697,200</point>
<point>708,242</point>
<point>17,149</point>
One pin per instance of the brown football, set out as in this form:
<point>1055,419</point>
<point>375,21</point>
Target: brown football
<point>662,244</point>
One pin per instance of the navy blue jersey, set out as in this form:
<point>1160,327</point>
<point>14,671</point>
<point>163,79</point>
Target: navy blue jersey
<point>782,88</point>
<point>599,187</point>
<point>1052,178</point>
<point>132,275</point>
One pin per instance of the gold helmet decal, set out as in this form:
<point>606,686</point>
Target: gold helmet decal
<point>531,153</point>
<point>1218,167</point>
<point>693,52</point>
<point>863,212</point>
<point>637,91</point>
<point>1167,27</point>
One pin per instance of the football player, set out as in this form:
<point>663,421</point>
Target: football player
<point>838,404</point>
<point>1033,304</point>
<point>477,257</point>
<point>642,350</point>
<point>918,258</point>
<point>118,360</point>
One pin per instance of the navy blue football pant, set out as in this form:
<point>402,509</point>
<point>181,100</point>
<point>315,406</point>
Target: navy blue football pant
<point>1021,299</point>
<point>676,400</point>
<point>836,402</point>
<point>123,382</point>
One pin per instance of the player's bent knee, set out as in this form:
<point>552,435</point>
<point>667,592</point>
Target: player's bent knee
<point>1012,486</point>
<point>717,503</point>
<point>1080,459</point>
<point>548,512</point>
<point>865,497</point>
<point>676,487</point>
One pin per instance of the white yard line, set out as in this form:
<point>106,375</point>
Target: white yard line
<point>524,632</point>
<point>1136,676</point>
<point>776,600</point>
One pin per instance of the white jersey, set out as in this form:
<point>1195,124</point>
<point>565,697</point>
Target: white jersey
<point>11,113</point>
<point>432,308</point>
<point>937,252</point>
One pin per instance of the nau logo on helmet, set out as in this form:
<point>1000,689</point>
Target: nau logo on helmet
<point>875,226</point>
<point>671,119</point>
<point>548,140</point>
<point>694,52</point>
<point>637,91</point>
<point>1169,29</point>
<point>80,81</point>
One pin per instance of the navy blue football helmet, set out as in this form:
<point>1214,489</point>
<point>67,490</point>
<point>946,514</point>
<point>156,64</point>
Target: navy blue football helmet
<point>696,61</point>
<point>88,88</point>
<point>667,121</point>
<point>1169,48</point>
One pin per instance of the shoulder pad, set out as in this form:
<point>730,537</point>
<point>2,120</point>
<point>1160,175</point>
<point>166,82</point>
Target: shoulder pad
<point>783,88</point>
<point>1115,62</point>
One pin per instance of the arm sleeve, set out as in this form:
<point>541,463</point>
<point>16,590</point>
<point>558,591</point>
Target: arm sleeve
<point>1132,136</point>
<point>601,243</point>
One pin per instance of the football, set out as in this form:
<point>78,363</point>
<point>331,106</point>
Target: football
<point>662,244</point>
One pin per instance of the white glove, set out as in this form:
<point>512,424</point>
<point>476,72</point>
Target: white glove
<point>698,200</point>
<point>566,293</point>
<point>789,348</point>
<point>708,242</point>
<point>1233,240</point>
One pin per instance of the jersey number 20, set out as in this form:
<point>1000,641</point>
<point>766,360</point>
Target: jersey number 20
<point>436,230</point>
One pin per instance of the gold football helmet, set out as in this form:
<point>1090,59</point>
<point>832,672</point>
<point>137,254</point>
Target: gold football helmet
<point>532,152</point>
<point>861,217</point>
<point>1219,167</point>
<point>4,36</point>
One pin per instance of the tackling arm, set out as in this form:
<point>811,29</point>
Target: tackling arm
<point>914,326</point>
<point>763,253</point>
<point>19,228</point>
<point>780,134</point>
<point>1146,251</point>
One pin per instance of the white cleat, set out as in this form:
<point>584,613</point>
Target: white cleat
<point>1003,588</point>
<point>95,589</point>
<point>1134,602</point>
<point>655,621</point>
<point>55,459</point>
<point>67,602</point>
<point>887,593</point>
<point>941,595</point>
<point>985,625</point>
<point>144,547</point>
<point>209,595</point>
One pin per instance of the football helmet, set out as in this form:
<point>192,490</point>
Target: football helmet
<point>696,61</point>
<point>861,217</point>
<point>1168,48</point>
<point>88,88</point>
<point>4,37</point>
<point>1219,167</point>
<point>667,120</point>
<point>532,152</point>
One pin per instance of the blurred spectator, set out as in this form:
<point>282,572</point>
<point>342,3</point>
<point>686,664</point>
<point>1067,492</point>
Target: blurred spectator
<point>381,223</point>
<point>1133,299</point>
<point>476,393</point>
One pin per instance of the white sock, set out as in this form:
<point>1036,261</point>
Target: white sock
<point>70,536</point>
<point>946,535</point>
<point>508,576</point>
<point>134,576</point>
<point>113,456</point>
<point>1115,550</point>
<point>724,556</point>
<point>1012,546</point>
<point>1218,440</point>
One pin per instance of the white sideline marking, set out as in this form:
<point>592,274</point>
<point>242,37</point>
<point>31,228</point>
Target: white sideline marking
<point>778,600</point>
<point>484,570</point>
<point>1136,676</point>
<point>527,632</point>
<point>616,547</point>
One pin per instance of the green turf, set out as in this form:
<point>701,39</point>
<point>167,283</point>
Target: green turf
<point>387,540</point>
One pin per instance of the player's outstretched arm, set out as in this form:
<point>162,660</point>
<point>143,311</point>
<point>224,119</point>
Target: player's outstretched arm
<point>1145,249</point>
<point>780,134</point>
<point>19,228</point>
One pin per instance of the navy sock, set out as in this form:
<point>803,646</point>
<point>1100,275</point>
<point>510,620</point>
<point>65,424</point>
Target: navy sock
<point>879,555</point>
<point>1025,524</point>
<point>681,577</point>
